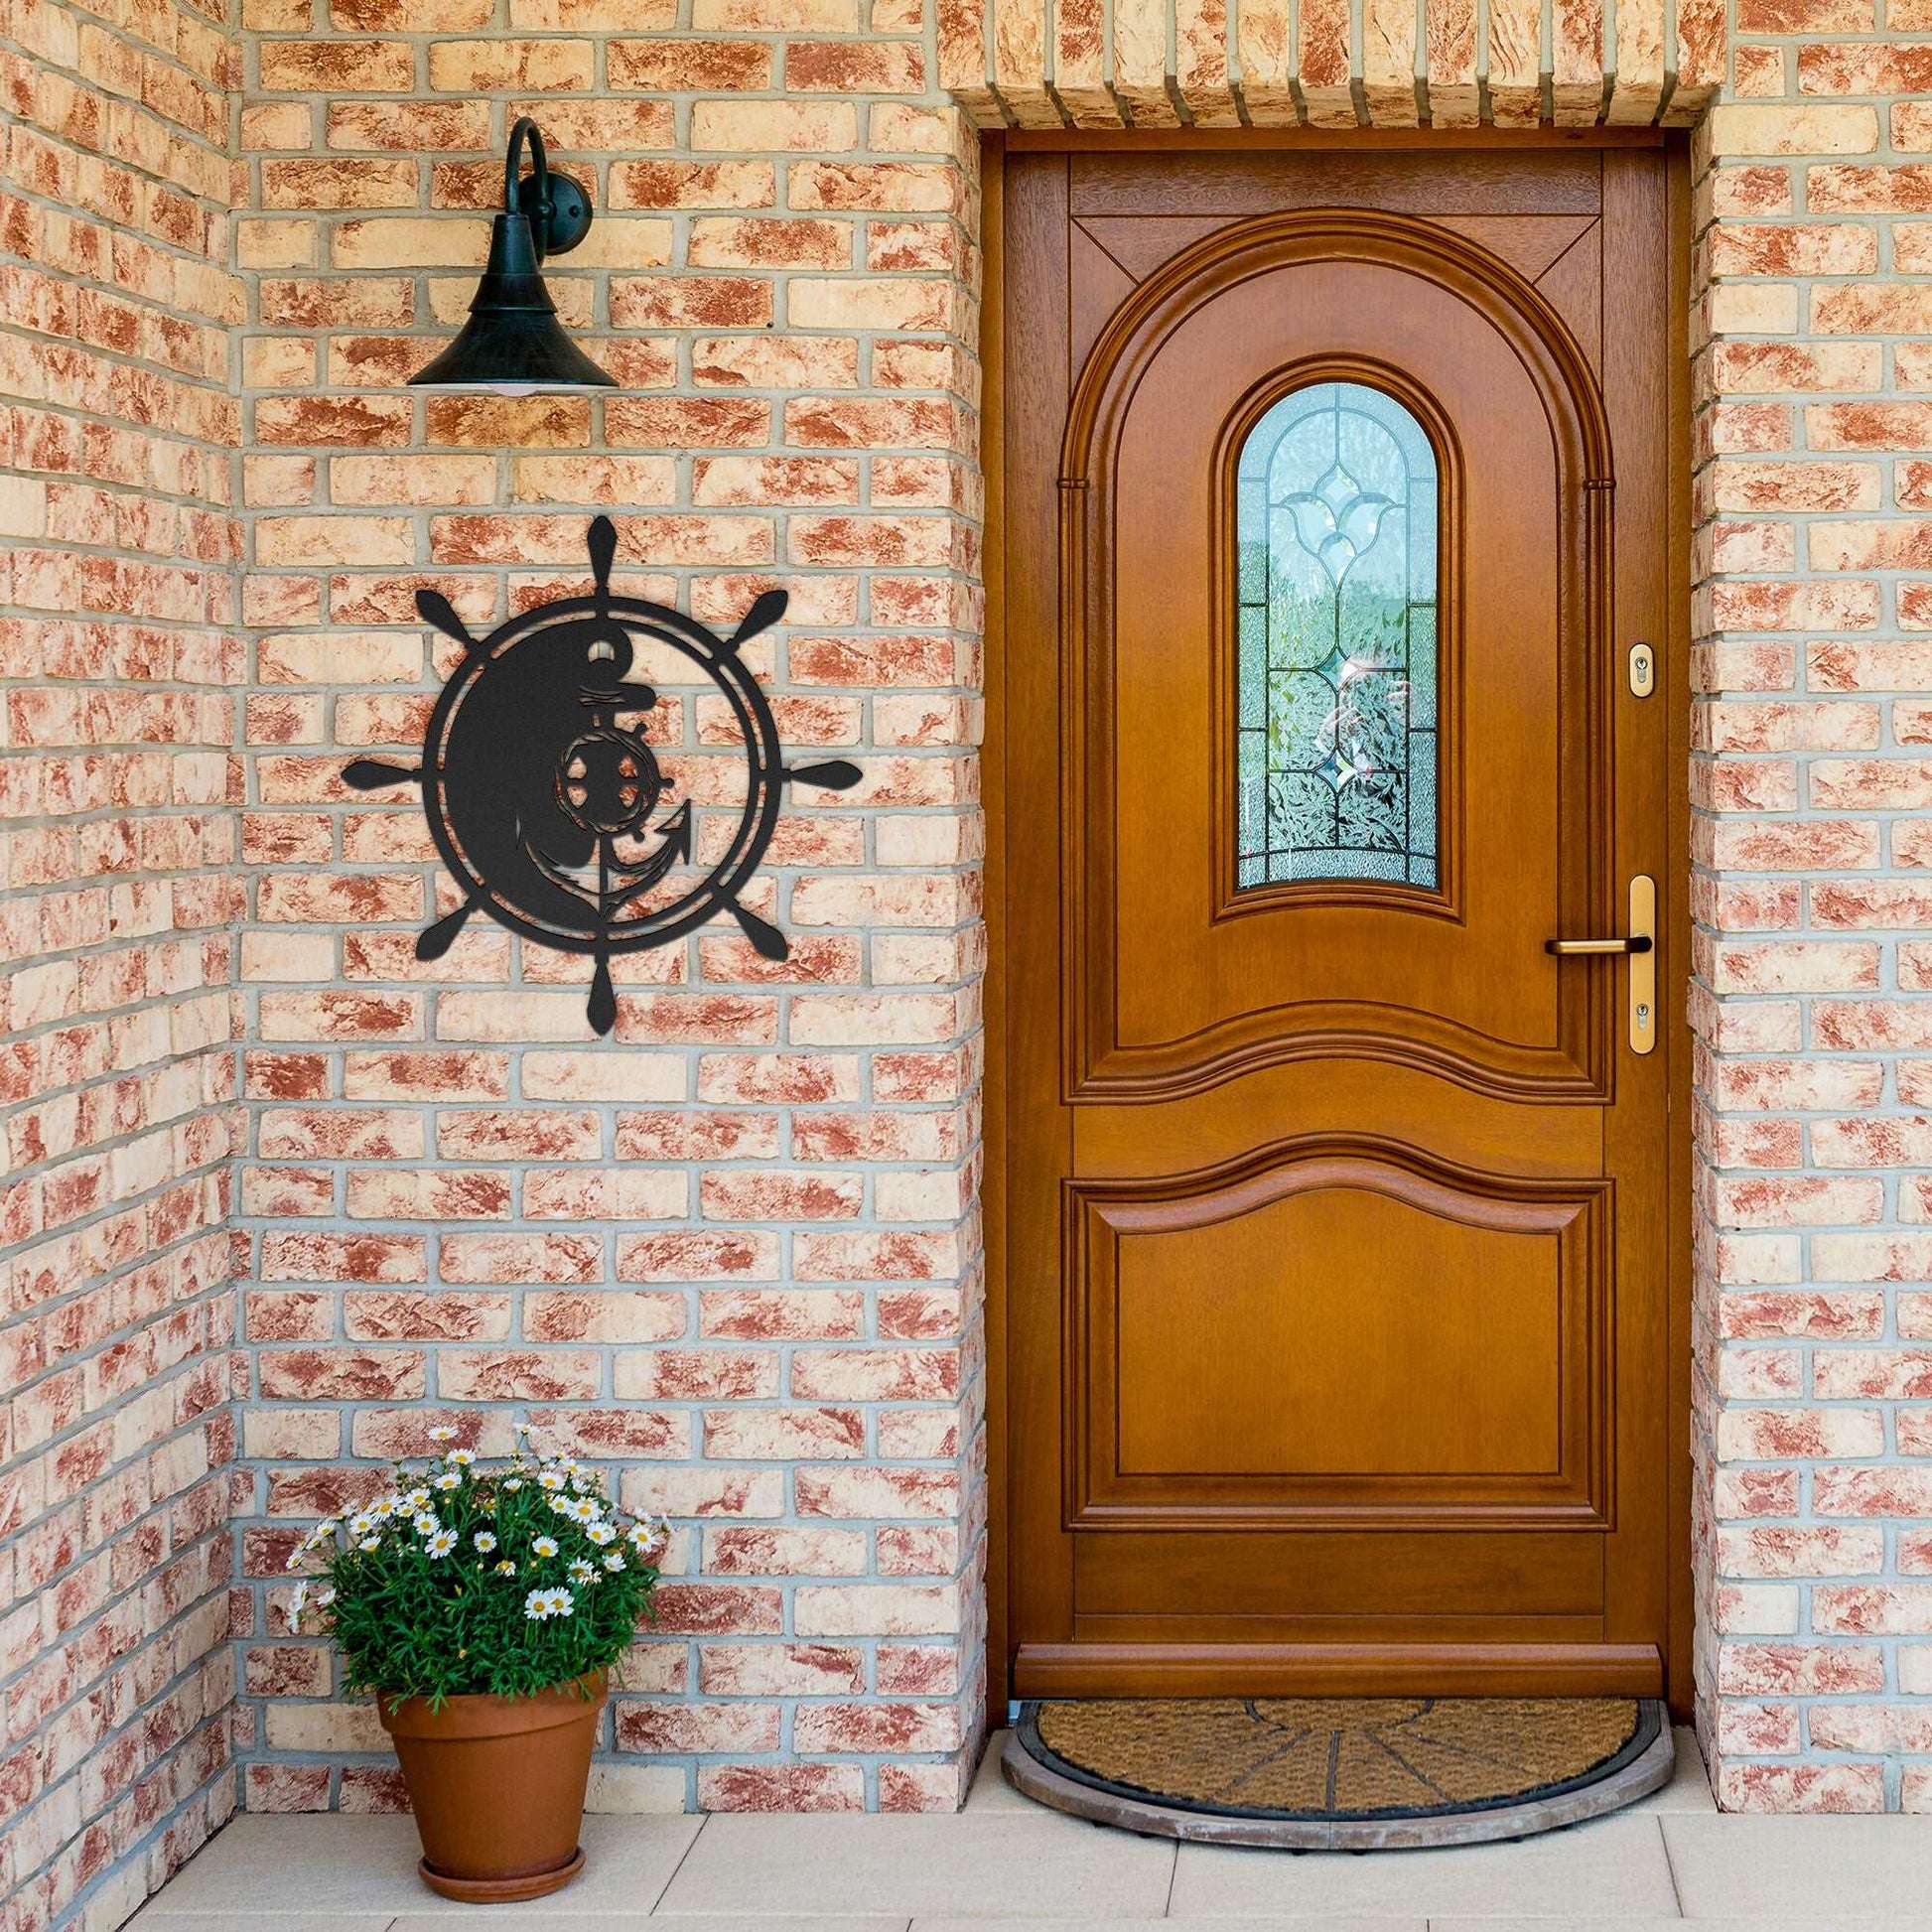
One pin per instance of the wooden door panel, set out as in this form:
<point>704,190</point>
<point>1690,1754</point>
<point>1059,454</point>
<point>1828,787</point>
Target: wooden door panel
<point>1335,1236</point>
<point>1340,1340</point>
<point>1402,1098</point>
<point>1471,183</point>
<point>1177,980</point>
<point>1561,254</point>
<point>1331,1334</point>
<point>1531,244</point>
<point>1328,1575</point>
<point>1573,285</point>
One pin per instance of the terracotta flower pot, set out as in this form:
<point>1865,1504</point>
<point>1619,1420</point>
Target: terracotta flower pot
<point>498,1787</point>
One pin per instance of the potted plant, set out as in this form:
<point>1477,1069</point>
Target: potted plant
<point>483,1606</point>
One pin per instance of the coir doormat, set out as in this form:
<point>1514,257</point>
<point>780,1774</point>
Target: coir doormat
<point>1341,1773</point>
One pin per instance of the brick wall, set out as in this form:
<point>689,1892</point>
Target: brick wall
<point>119,663</point>
<point>1813,670</point>
<point>732,1252</point>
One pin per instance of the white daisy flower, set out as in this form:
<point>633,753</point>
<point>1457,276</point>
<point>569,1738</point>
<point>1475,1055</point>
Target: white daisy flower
<point>323,1597</point>
<point>513,1482</point>
<point>450,1479</point>
<point>416,1498</point>
<point>299,1602</point>
<point>602,1533</point>
<point>506,1568</point>
<point>361,1523</point>
<point>461,1457</point>
<point>581,1572</point>
<point>542,1604</point>
<point>584,1509</point>
<point>370,1543</point>
<point>442,1543</point>
<point>551,1480</point>
<point>544,1545</point>
<point>562,1602</point>
<point>613,1561</point>
<point>426,1523</point>
<point>442,1433</point>
<point>486,1540</point>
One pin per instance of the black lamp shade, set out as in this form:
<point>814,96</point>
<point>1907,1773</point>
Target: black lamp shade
<point>513,342</point>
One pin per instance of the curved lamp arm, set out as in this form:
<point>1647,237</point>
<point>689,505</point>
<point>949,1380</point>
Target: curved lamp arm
<point>524,130</point>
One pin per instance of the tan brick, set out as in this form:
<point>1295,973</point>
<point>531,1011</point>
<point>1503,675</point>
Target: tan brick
<point>693,184</point>
<point>1911,126</point>
<point>721,241</point>
<point>1886,191</point>
<point>334,541</point>
<point>276,244</point>
<point>283,124</point>
<point>333,68</point>
<point>1793,248</point>
<point>505,66</point>
<point>857,303</point>
<point>688,301</point>
<point>424,479</point>
<point>586,479</point>
<point>780,16</point>
<point>755,126</point>
<point>686,66</point>
<point>594,16</point>
<point>409,241</point>
<point>413,127</point>
<point>1797,129</point>
<point>341,184</point>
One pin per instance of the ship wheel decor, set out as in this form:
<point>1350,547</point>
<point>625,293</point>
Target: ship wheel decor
<point>546,801</point>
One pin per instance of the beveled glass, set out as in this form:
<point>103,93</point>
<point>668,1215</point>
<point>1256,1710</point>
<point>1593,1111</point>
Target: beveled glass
<point>1336,652</point>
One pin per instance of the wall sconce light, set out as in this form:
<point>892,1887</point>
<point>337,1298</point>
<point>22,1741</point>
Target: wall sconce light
<point>512,343</point>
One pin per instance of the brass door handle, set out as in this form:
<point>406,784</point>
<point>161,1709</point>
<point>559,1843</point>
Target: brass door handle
<point>1640,946</point>
<point>1573,948</point>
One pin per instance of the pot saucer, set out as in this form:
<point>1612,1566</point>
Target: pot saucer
<point>501,1891</point>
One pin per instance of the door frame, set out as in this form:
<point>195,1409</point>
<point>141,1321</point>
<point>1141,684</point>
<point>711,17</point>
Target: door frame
<point>995,147</point>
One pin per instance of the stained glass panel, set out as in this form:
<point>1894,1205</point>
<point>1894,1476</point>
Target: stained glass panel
<point>1335,675</point>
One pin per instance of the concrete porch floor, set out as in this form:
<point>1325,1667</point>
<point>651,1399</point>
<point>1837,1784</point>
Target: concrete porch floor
<point>1671,1859</point>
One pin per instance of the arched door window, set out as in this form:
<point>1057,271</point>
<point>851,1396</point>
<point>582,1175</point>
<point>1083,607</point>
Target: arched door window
<point>1336,671</point>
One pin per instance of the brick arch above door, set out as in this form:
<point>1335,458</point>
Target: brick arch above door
<point>1154,63</point>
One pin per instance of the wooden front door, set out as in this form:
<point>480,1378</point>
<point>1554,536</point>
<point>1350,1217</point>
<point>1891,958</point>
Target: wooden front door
<point>1337,1244</point>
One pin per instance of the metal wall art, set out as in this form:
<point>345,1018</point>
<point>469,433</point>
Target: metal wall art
<point>546,800</point>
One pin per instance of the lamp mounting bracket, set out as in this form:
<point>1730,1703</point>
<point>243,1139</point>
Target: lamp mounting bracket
<point>569,218</point>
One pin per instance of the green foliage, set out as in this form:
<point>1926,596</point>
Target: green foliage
<point>463,1578</point>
